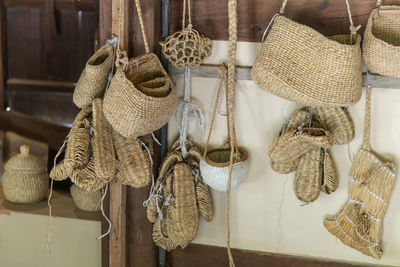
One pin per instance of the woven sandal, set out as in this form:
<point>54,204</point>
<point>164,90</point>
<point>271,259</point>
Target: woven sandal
<point>330,178</point>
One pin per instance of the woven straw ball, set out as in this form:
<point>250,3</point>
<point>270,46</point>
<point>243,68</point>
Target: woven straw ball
<point>25,179</point>
<point>85,200</point>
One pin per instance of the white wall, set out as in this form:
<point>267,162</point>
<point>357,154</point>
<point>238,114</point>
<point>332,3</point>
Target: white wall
<point>265,214</point>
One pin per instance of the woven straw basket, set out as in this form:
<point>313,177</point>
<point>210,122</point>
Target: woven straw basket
<point>25,179</point>
<point>94,78</point>
<point>85,200</point>
<point>381,45</point>
<point>300,64</point>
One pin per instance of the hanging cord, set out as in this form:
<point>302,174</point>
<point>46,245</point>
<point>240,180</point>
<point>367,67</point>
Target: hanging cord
<point>104,215</point>
<point>146,202</point>
<point>140,15</point>
<point>155,139</point>
<point>269,25</point>
<point>186,4</point>
<point>367,124</point>
<point>114,42</point>
<point>378,3</point>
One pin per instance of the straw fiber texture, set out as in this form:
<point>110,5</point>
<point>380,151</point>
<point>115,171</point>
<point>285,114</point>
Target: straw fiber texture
<point>104,158</point>
<point>326,73</point>
<point>134,163</point>
<point>25,179</point>
<point>85,200</point>
<point>93,80</point>
<point>381,45</point>
<point>359,224</point>
<point>338,122</point>
<point>330,177</point>
<point>141,98</point>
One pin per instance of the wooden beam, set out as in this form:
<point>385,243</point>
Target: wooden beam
<point>202,255</point>
<point>84,5</point>
<point>328,17</point>
<point>40,85</point>
<point>3,54</point>
<point>25,125</point>
<point>117,245</point>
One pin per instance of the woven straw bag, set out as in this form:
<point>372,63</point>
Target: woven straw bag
<point>338,122</point>
<point>330,177</point>
<point>134,163</point>
<point>215,164</point>
<point>359,224</point>
<point>25,179</point>
<point>85,200</point>
<point>381,45</point>
<point>93,80</point>
<point>300,64</point>
<point>141,97</point>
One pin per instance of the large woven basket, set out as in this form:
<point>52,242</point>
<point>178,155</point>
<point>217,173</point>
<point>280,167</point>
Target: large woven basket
<point>25,179</point>
<point>85,200</point>
<point>300,64</point>
<point>381,45</point>
<point>93,80</point>
<point>134,104</point>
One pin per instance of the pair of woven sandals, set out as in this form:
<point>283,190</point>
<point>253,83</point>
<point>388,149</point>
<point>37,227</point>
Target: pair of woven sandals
<point>177,199</point>
<point>303,144</point>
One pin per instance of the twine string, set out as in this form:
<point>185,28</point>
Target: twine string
<point>367,124</point>
<point>142,28</point>
<point>104,214</point>
<point>186,4</point>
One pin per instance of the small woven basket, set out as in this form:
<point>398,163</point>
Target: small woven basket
<point>141,98</point>
<point>85,200</point>
<point>25,179</point>
<point>381,45</point>
<point>94,78</point>
<point>300,64</point>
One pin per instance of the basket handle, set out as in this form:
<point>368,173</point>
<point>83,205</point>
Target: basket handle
<point>140,15</point>
<point>353,29</point>
<point>379,3</point>
<point>367,123</point>
<point>186,3</point>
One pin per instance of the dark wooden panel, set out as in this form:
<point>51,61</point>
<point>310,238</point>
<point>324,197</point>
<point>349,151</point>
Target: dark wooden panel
<point>58,4</point>
<point>201,255</point>
<point>3,53</point>
<point>46,132</point>
<point>36,52</point>
<point>327,16</point>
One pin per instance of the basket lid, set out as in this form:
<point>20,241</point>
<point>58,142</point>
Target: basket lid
<point>25,162</point>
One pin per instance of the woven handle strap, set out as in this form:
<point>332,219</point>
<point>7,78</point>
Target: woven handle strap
<point>186,4</point>
<point>367,124</point>
<point>379,3</point>
<point>140,15</point>
<point>353,29</point>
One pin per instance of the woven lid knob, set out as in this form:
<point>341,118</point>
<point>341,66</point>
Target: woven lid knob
<point>24,149</point>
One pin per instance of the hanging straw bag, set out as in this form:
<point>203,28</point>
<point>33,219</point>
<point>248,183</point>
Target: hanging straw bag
<point>86,200</point>
<point>359,224</point>
<point>214,165</point>
<point>381,45</point>
<point>141,97</point>
<point>299,64</point>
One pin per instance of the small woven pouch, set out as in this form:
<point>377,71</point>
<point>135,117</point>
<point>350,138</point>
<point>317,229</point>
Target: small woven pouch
<point>141,97</point>
<point>86,200</point>
<point>338,122</point>
<point>300,64</point>
<point>214,165</point>
<point>93,80</point>
<point>134,163</point>
<point>381,45</point>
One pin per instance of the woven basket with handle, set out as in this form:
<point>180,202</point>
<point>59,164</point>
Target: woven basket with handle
<point>381,45</point>
<point>300,64</point>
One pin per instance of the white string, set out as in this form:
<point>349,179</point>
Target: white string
<point>114,43</point>
<point>155,139</point>
<point>269,25</point>
<point>104,215</point>
<point>146,202</point>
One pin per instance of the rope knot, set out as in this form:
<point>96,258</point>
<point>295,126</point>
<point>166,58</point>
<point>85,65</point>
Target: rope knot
<point>354,29</point>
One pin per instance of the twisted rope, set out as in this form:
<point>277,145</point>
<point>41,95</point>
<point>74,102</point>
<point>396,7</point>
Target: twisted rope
<point>140,15</point>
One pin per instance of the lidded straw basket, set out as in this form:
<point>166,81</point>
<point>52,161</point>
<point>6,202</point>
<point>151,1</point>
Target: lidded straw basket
<point>300,64</point>
<point>85,200</point>
<point>381,45</point>
<point>141,97</point>
<point>25,179</point>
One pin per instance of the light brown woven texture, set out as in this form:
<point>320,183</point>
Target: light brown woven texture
<point>25,179</point>
<point>330,177</point>
<point>141,97</point>
<point>104,158</point>
<point>359,224</point>
<point>292,144</point>
<point>93,80</point>
<point>134,163</point>
<point>75,145</point>
<point>85,200</point>
<point>186,48</point>
<point>338,122</point>
<point>381,45</point>
<point>299,64</point>
<point>307,183</point>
